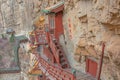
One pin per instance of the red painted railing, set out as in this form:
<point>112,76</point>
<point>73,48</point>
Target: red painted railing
<point>47,52</point>
<point>54,47</point>
<point>52,69</point>
<point>40,37</point>
<point>59,54</point>
<point>56,72</point>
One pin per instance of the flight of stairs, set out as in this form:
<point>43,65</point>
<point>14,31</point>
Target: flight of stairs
<point>52,71</point>
<point>59,54</point>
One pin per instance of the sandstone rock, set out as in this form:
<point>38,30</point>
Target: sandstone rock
<point>114,45</point>
<point>77,58</point>
<point>92,21</point>
<point>15,16</point>
<point>107,11</point>
<point>82,42</point>
<point>91,51</point>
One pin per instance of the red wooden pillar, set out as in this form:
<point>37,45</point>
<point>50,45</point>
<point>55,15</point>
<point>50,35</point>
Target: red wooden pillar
<point>55,21</point>
<point>48,37</point>
<point>58,25</point>
<point>101,61</point>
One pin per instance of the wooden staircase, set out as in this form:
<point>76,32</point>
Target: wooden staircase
<point>52,71</point>
<point>57,66</point>
<point>59,54</point>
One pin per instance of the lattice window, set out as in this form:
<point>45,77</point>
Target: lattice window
<point>52,22</point>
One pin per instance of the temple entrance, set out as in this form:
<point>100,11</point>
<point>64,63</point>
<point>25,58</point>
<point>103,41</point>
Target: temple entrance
<point>91,67</point>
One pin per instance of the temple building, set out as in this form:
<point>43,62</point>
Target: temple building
<point>60,40</point>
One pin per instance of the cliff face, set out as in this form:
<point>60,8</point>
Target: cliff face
<point>16,14</point>
<point>110,8</point>
<point>92,22</point>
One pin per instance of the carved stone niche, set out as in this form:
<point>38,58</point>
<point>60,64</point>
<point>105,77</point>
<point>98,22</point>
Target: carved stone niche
<point>115,28</point>
<point>83,19</point>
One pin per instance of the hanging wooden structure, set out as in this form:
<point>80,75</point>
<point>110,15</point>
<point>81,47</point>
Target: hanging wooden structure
<point>55,67</point>
<point>55,14</point>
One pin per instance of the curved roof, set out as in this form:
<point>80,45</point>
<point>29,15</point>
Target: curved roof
<point>49,9</point>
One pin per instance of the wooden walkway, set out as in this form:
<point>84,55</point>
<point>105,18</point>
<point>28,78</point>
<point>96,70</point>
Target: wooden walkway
<point>79,75</point>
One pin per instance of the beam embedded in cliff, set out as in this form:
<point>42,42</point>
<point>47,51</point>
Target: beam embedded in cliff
<point>35,70</point>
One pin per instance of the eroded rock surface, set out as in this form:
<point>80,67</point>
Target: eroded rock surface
<point>92,22</point>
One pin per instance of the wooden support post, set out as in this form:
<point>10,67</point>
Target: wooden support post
<point>101,62</point>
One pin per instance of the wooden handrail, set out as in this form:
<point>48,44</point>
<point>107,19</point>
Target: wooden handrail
<point>48,53</point>
<point>50,68</point>
<point>56,49</point>
<point>55,70</point>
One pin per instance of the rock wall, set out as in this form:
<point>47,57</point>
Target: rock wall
<point>16,14</point>
<point>87,24</point>
<point>92,23</point>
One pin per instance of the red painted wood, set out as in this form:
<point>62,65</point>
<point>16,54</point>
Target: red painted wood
<point>47,52</point>
<point>41,37</point>
<point>55,71</point>
<point>57,29</point>
<point>59,54</point>
<point>58,25</point>
<point>101,62</point>
<point>92,67</point>
<point>54,51</point>
<point>48,37</point>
